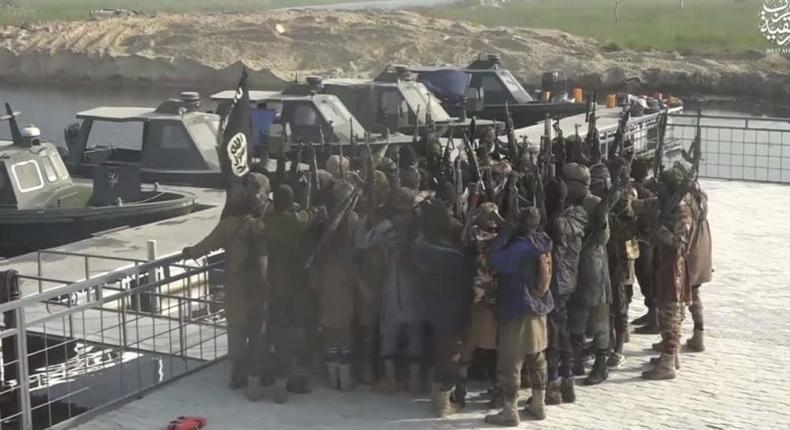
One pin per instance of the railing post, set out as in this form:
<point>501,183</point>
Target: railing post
<point>151,256</point>
<point>38,264</point>
<point>24,373</point>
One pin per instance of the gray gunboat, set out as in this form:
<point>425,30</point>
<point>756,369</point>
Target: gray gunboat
<point>173,143</point>
<point>41,207</point>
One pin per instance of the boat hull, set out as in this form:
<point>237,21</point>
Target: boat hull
<point>24,231</point>
<point>527,114</point>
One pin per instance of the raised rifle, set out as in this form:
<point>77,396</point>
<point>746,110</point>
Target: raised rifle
<point>511,137</point>
<point>397,162</point>
<point>694,154</point>
<point>314,184</point>
<point>618,149</point>
<point>561,157</point>
<point>334,222</point>
<point>658,158</point>
<point>592,141</point>
<point>470,153</point>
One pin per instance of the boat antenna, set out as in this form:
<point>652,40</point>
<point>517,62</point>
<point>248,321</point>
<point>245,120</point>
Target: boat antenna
<point>10,116</point>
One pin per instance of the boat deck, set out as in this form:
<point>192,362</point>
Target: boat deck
<point>608,120</point>
<point>112,251</point>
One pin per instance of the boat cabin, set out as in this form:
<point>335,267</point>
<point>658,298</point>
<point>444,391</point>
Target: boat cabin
<point>33,176</point>
<point>483,82</point>
<point>173,143</point>
<point>305,116</point>
<point>391,102</point>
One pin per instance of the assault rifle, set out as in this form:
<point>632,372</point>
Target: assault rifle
<point>334,222</point>
<point>511,136</point>
<point>658,160</point>
<point>694,154</point>
<point>593,139</point>
<point>617,150</point>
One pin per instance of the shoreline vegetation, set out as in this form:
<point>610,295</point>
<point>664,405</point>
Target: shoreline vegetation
<point>207,48</point>
<point>700,27</point>
<point>708,27</point>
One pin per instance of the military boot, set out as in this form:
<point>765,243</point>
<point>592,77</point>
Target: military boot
<point>440,397</point>
<point>237,378</point>
<point>664,368</point>
<point>568,390</point>
<point>651,327</point>
<point>459,394</point>
<point>366,374</point>
<point>642,320</point>
<point>333,374</point>
<point>577,342</point>
<point>508,416</point>
<point>299,382</point>
<point>414,384</point>
<point>616,360</point>
<point>553,393</point>
<point>345,378</point>
<point>599,372</point>
<point>537,404</point>
<point>254,392</point>
<point>697,342</point>
<point>655,360</point>
<point>497,400</point>
<point>280,391</point>
<point>387,384</point>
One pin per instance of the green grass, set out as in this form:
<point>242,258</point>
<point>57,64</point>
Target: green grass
<point>26,11</point>
<point>704,26</point>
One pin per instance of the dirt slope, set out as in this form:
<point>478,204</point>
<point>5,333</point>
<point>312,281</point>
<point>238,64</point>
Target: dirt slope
<point>203,49</point>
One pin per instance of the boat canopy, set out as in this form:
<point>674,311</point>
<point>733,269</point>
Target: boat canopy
<point>304,114</point>
<point>165,141</point>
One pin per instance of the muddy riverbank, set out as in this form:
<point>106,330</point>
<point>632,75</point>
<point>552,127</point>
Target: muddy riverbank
<point>209,50</point>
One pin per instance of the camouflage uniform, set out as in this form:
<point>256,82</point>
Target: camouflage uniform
<point>240,233</point>
<point>672,238</point>
<point>623,227</point>
<point>291,311</point>
<point>567,233</point>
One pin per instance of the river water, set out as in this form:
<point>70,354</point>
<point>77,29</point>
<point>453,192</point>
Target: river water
<point>759,150</point>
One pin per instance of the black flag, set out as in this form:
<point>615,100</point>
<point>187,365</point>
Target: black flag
<point>235,134</point>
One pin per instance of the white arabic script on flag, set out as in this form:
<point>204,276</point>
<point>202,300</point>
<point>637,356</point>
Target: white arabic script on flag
<point>237,152</point>
<point>775,21</point>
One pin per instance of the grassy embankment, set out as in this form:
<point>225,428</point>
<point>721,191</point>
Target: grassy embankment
<point>703,26</point>
<point>25,11</point>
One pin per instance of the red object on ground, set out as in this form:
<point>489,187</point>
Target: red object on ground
<point>187,423</point>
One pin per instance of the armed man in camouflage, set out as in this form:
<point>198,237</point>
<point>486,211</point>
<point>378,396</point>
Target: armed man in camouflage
<point>589,304</point>
<point>566,226</point>
<point>672,236</point>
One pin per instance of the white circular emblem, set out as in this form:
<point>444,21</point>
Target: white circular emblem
<point>237,153</point>
<point>775,22</point>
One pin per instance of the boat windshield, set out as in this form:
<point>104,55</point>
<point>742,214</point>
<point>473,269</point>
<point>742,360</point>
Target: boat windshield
<point>417,96</point>
<point>342,119</point>
<point>112,134</point>
<point>519,93</point>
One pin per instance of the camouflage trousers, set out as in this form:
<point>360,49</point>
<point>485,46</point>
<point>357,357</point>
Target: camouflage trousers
<point>695,308</point>
<point>517,343</point>
<point>670,318</point>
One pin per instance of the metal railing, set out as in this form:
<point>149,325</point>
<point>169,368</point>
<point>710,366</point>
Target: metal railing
<point>737,147</point>
<point>82,346</point>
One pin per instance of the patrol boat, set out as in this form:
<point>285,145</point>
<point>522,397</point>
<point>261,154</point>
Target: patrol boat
<point>487,90</point>
<point>41,207</point>
<point>392,101</point>
<point>282,122</point>
<point>173,143</point>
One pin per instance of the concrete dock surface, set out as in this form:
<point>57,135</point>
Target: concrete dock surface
<point>740,382</point>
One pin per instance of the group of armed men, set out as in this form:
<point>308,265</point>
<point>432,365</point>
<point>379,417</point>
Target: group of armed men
<point>387,265</point>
